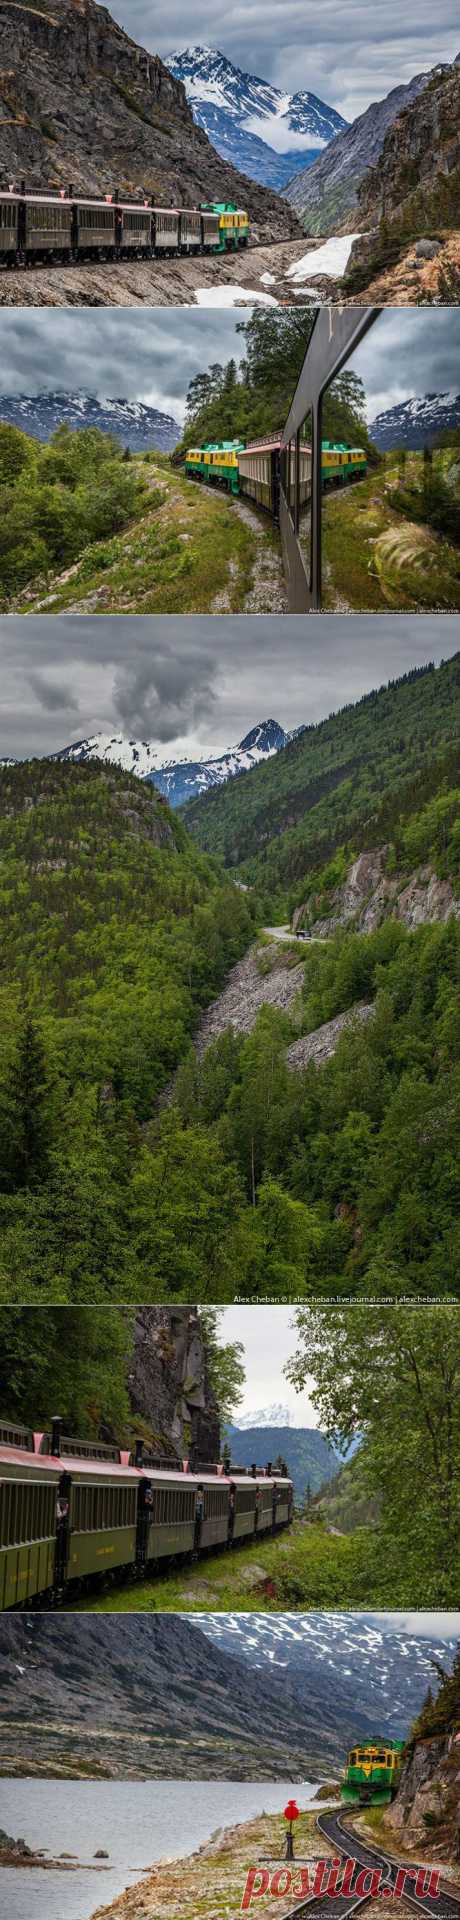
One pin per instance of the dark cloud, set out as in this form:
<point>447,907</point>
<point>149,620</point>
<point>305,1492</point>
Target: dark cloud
<point>345,50</point>
<point>160,693</point>
<point>52,695</point>
<point>188,683</point>
<point>140,354</point>
<point>409,352</point>
<point>153,354</point>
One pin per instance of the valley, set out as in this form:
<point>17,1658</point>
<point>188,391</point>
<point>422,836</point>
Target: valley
<point>186,550</point>
<point>236,1698</point>
<point>270,1112</point>
<point>195,128</point>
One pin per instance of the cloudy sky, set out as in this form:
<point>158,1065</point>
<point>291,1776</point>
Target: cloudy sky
<point>191,685</point>
<point>152,354</point>
<point>148,354</point>
<point>344,50</point>
<point>268,1337</point>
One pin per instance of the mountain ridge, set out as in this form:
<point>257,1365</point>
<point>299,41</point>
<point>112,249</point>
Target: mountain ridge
<point>310,1459</point>
<point>238,111</point>
<point>412,423</point>
<point>289,1693</point>
<point>135,424</point>
<point>326,195</point>
<point>284,819</point>
<point>155,1689</point>
<point>179,780</point>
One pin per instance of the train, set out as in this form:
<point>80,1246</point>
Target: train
<point>61,227</point>
<point>372,1773</point>
<point>73,1510</point>
<point>257,468</point>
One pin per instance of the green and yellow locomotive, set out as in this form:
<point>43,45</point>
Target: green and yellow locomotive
<point>216,463</point>
<point>372,1773</point>
<point>233,224</point>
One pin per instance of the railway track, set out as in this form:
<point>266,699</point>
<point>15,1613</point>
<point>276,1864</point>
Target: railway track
<point>346,1842</point>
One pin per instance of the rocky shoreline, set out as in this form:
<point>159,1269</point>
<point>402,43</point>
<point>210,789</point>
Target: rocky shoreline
<point>16,1853</point>
<point>209,1884</point>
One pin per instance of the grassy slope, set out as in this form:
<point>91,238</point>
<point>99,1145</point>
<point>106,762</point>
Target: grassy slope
<point>304,1569</point>
<point>189,547</point>
<point>375,558</point>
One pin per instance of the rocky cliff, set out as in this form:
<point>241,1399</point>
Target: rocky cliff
<point>325,195</point>
<point>414,191</point>
<point>169,1388</point>
<point>148,1697</point>
<point>370,893</point>
<point>80,102</point>
<point>426,1811</point>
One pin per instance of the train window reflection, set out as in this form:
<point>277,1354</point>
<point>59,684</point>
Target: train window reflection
<point>304,459</point>
<point>390,468</point>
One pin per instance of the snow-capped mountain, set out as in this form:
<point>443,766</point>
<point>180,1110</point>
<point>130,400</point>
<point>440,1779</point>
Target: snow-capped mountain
<point>413,423</point>
<point>134,756</point>
<point>184,779</point>
<point>275,1416</point>
<point>382,1673</point>
<point>267,134</point>
<point>136,426</point>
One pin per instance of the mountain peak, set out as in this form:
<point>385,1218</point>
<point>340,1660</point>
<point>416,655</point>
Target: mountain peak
<point>267,133</point>
<point>132,422</point>
<point>179,780</point>
<point>413,423</point>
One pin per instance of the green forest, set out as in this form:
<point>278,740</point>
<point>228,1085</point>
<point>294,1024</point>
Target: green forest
<point>56,500</point>
<point>349,780</point>
<point>118,929</point>
<point>77,1360</point>
<point>239,402</point>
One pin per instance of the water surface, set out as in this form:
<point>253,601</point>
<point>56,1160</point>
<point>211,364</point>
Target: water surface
<point>137,1822</point>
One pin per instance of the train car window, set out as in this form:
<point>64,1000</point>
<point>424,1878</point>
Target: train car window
<point>27,1512</point>
<point>391,485</point>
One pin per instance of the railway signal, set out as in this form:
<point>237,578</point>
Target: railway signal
<point>291,1813</point>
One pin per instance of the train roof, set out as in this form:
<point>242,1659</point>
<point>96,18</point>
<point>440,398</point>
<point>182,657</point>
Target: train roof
<point>39,199</point>
<point>107,1469</point>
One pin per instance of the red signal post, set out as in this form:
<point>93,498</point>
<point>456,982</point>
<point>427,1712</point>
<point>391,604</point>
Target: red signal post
<point>291,1813</point>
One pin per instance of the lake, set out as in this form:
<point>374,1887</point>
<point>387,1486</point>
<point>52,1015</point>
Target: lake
<point>137,1822</point>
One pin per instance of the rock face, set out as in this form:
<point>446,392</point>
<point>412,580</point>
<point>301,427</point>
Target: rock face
<point>247,990</point>
<point>415,188</point>
<point>427,1806</point>
<point>319,1046</point>
<point>169,1385</point>
<point>16,1847</point>
<point>80,102</point>
<point>326,195</point>
<point>369,894</point>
